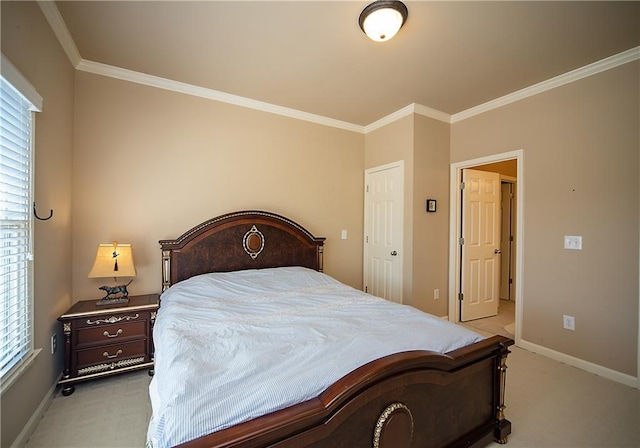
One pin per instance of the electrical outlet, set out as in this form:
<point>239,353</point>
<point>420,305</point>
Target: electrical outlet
<point>54,343</point>
<point>436,294</point>
<point>569,322</point>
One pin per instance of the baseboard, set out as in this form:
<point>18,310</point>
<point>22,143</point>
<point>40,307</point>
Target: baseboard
<point>30,427</point>
<point>590,367</point>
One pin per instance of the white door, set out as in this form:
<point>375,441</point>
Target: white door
<point>480,278</point>
<point>384,195</point>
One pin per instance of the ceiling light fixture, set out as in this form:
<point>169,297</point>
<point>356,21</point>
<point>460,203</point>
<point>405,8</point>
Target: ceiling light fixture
<point>382,19</point>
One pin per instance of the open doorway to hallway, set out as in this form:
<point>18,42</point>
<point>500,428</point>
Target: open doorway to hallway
<point>508,318</point>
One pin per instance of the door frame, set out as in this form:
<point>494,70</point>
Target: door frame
<point>455,221</point>
<point>514,206</point>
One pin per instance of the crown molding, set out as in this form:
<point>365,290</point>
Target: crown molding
<point>597,67</point>
<point>407,110</point>
<point>413,108</point>
<point>56,22</point>
<point>202,92</point>
<point>616,60</point>
<point>61,31</point>
<point>53,16</point>
<point>432,113</point>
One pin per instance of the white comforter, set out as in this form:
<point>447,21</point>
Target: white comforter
<point>234,346</point>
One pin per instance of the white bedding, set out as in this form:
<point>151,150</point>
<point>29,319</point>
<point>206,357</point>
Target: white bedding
<point>233,346</point>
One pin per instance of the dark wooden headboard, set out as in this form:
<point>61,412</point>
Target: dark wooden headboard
<point>240,240</point>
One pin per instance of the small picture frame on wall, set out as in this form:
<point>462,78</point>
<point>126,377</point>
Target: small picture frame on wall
<point>431,205</point>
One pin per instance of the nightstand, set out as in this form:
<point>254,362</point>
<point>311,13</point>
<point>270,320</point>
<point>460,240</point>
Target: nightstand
<point>104,340</point>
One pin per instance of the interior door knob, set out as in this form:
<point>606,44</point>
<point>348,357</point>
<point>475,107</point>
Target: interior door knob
<point>497,251</point>
<point>394,253</point>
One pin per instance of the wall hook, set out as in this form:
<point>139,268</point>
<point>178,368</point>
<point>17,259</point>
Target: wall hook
<point>35,213</point>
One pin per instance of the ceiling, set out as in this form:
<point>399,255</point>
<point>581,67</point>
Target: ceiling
<point>312,56</point>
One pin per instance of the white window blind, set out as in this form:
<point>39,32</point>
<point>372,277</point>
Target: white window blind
<point>16,131</point>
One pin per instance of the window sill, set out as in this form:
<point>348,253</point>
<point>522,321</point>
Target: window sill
<point>17,372</point>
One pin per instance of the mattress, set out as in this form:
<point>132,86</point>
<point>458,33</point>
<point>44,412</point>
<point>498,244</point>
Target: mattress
<point>233,346</point>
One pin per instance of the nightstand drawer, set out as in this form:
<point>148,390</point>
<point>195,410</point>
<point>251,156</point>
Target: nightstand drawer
<point>111,353</point>
<point>110,334</point>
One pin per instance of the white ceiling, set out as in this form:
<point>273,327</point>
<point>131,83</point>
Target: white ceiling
<point>312,56</point>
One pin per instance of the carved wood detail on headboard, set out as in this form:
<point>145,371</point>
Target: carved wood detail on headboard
<point>240,240</point>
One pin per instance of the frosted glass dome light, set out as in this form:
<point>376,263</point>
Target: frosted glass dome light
<point>381,20</point>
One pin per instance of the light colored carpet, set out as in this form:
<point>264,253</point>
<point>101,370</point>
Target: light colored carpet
<point>511,328</point>
<point>497,324</point>
<point>549,404</point>
<point>111,412</point>
<point>554,405</point>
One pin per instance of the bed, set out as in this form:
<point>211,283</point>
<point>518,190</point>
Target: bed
<point>256,347</point>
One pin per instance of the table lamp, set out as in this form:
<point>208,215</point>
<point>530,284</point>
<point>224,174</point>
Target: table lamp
<point>113,260</point>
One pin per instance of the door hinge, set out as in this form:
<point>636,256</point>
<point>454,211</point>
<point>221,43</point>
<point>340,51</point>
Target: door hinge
<point>460,297</point>
<point>366,239</point>
<point>461,241</point>
<point>462,185</point>
<point>367,188</point>
<point>366,289</point>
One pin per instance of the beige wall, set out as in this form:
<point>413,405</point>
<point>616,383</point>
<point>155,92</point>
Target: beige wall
<point>27,40</point>
<point>149,164</point>
<point>581,146</point>
<point>431,230</point>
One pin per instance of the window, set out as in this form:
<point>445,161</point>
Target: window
<point>16,162</point>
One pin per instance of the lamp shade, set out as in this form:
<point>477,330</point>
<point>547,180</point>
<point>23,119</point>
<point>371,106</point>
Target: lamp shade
<point>113,260</point>
<point>381,20</point>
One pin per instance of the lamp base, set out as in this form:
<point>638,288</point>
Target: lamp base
<point>110,301</point>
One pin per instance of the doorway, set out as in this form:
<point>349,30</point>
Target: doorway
<point>495,163</point>
<point>508,188</point>
<point>383,231</point>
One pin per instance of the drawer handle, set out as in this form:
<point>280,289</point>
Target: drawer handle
<point>117,333</point>
<point>108,356</point>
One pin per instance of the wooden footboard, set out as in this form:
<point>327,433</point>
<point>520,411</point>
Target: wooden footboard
<point>411,399</point>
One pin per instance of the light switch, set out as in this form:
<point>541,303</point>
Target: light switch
<point>344,234</point>
<point>573,242</point>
